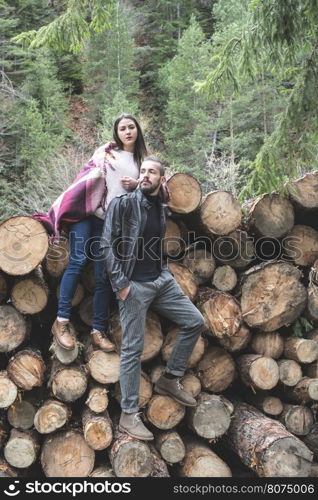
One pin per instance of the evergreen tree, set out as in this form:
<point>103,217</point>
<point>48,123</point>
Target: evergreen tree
<point>189,128</point>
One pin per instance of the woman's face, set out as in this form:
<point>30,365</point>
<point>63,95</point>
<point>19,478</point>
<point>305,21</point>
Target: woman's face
<point>127,133</point>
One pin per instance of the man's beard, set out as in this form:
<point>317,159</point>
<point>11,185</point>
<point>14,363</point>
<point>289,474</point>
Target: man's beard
<point>149,188</point>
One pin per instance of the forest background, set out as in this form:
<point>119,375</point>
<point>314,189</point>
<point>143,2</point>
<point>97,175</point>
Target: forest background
<point>224,89</point>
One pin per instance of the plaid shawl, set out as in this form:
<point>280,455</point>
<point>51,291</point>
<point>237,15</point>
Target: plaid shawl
<point>83,196</point>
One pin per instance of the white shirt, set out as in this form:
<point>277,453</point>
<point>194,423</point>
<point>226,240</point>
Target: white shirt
<point>124,165</point>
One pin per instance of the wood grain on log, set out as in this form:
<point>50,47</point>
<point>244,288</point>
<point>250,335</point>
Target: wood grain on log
<point>301,245</point>
<point>290,371</point>
<point>271,215</point>
<point>301,350</point>
<point>220,213</point>
<point>8,390</point>
<point>27,369</point>
<point>68,382</point>
<point>201,263</point>
<point>13,328</point>
<point>21,415</point>
<point>21,449</point>
<point>269,344</point>
<point>216,369</point>
<point>97,398</point>
<point>185,192</point>
<point>224,278</point>
<point>303,191</point>
<point>97,429</point>
<point>238,341</point>
<point>258,371</point>
<point>211,417</point>
<point>170,446</point>
<point>51,415</point>
<point>185,279</point>
<point>130,457</point>
<point>201,461</point>
<point>297,419</point>
<point>164,412</point>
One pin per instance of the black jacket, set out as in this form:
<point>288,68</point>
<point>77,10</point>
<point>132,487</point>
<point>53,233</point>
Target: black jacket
<point>125,222</point>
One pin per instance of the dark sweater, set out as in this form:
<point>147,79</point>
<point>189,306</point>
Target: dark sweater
<point>147,267</point>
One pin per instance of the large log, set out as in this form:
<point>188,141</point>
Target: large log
<point>185,193</point>
<point>301,350</point>
<point>185,279</point>
<point>303,191</point>
<point>301,245</point>
<point>169,344</point>
<point>21,415</point>
<point>13,328</point>
<point>220,213</point>
<point>29,295</point>
<point>159,466</point>
<point>268,344</point>
<point>24,243</point>
<point>305,391</point>
<point>97,398</point>
<point>173,243</point>
<point>66,454</point>
<point>170,446</point>
<point>130,457</point>
<point>201,461</point>
<point>57,257</point>
<point>211,417</point>
<point>297,419</point>
<point>201,263</point>
<point>153,338</point>
<point>270,215</point>
<point>266,446</point>
<point>51,416</point>
<point>21,449</point>
<point>67,382</point>
<point>258,371</point>
<point>222,313</point>
<point>97,429</point>
<point>236,249</point>
<point>216,369</point>
<point>164,412</point>
<point>290,371</point>
<point>238,341</point>
<point>272,295</point>
<point>8,390</point>
<point>27,369</point>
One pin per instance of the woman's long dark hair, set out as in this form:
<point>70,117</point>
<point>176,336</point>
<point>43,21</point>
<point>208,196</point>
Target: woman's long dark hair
<point>140,149</point>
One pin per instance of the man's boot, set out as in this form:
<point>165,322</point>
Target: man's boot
<point>64,334</point>
<point>101,341</point>
<point>172,387</point>
<point>131,424</point>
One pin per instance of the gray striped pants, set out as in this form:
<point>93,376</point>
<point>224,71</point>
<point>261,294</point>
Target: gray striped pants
<point>166,298</point>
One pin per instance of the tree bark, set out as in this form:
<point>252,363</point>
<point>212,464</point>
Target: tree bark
<point>301,350</point>
<point>21,415</point>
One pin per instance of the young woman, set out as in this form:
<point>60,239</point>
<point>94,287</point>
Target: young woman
<point>112,170</point>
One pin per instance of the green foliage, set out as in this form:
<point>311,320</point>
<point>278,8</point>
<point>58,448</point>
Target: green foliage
<point>68,31</point>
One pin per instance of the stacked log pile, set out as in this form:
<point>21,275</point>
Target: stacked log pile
<point>252,271</point>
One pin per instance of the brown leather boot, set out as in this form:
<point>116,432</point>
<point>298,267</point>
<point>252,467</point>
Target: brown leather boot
<point>131,424</point>
<point>172,387</point>
<point>101,341</point>
<point>64,334</point>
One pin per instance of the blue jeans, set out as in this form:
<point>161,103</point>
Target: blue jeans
<point>166,298</point>
<point>84,241</point>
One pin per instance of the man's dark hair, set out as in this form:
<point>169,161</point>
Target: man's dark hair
<point>140,149</point>
<point>162,164</point>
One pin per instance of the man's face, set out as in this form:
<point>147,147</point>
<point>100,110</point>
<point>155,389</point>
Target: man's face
<point>150,178</point>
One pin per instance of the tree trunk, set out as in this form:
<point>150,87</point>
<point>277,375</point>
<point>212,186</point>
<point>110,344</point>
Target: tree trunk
<point>220,213</point>
<point>303,191</point>
<point>301,245</point>
<point>297,419</point>
<point>67,382</point>
<point>258,371</point>
<point>27,369</point>
<point>51,416</point>
<point>8,390</point>
<point>201,461</point>
<point>185,192</point>
<point>266,446</point>
<point>289,371</point>
<point>272,295</point>
<point>201,263</point>
<point>223,314</point>
<point>66,357</point>
<point>216,369</point>
<point>153,338</point>
<point>21,449</point>
<point>13,328</point>
<point>169,344</point>
<point>305,391</point>
<point>301,350</point>
<point>271,216</point>
<point>170,446</point>
<point>311,370</point>
<point>159,466</point>
<point>21,415</point>
<point>24,245</point>
<point>57,257</point>
<point>173,243</point>
<point>271,405</point>
<point>224,278</point>
<point>211,417</point>
<point>130,457</point>
<point>238,341</point>
<point>97,429</point>
<point>185,279</point>
<point>66,454</point>
<point>164,412</point>
<point>29,295</point>
<point>104,366</point>
<point>268,344</point>
<point>236,249</point>
<point>97,399</point>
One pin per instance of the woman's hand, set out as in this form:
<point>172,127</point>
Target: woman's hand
<point>129,183</point>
